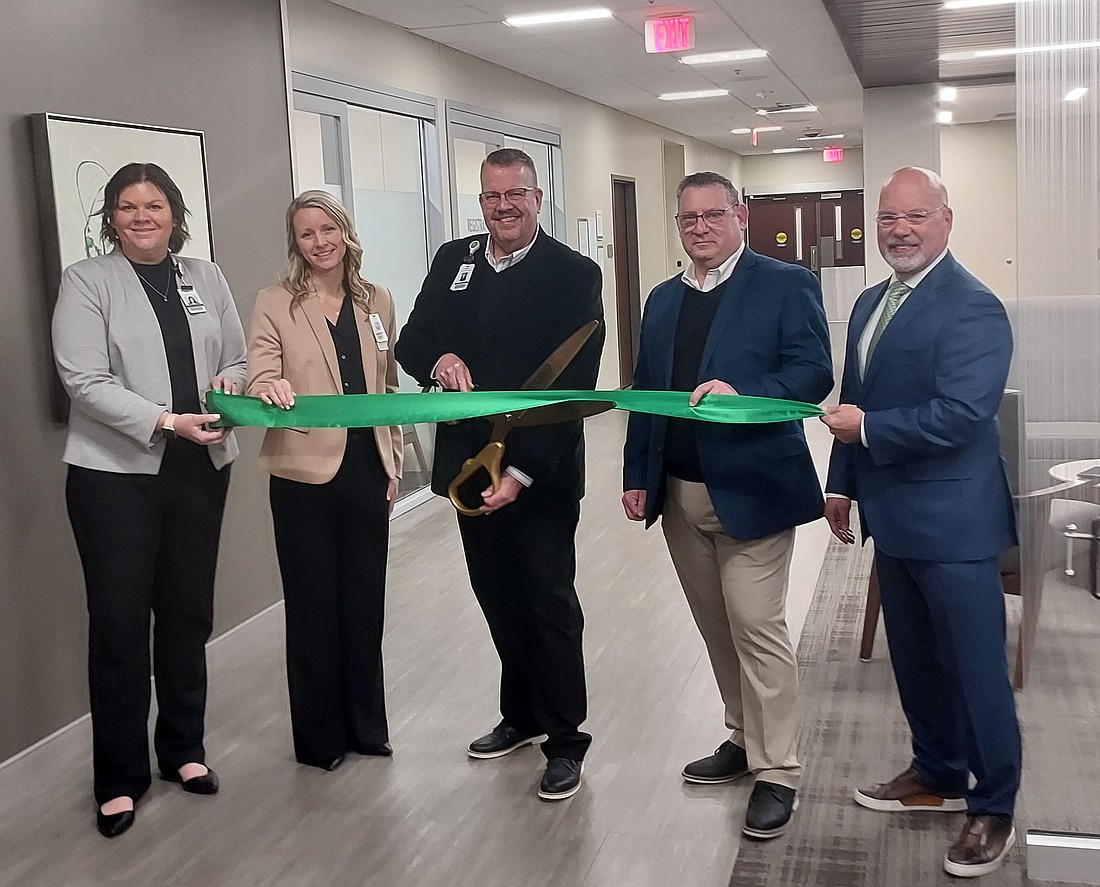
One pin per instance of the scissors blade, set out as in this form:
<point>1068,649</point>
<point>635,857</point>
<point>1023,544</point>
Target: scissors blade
<point>560,358</point>
<point>551,414</point>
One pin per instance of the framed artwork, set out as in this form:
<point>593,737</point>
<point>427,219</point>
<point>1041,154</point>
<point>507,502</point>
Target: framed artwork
<point>74,157</point>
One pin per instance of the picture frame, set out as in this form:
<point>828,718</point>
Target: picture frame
<point>74,157</point>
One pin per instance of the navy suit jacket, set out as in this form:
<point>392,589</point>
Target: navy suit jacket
<point>769,338</point>
<point>931,484</point>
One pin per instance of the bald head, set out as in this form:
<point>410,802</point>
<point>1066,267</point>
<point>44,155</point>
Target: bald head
<point>914,220</point>
<point>920,177</point>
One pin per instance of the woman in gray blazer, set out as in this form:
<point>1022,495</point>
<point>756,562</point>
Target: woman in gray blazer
<point>139,334</point>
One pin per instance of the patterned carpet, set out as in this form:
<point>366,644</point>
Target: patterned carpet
<point>853,733</point>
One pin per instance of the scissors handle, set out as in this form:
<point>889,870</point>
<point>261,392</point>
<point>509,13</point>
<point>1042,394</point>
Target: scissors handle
<point>488,459</point>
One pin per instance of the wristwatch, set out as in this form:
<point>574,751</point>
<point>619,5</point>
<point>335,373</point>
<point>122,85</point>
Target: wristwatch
<point>168,430</point>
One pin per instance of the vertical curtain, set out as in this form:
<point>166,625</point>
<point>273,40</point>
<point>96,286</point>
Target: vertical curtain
<point>1056,315</point>
<point>1058,311</point>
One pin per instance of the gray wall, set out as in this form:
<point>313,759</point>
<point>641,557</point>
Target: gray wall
<point>211,65</point>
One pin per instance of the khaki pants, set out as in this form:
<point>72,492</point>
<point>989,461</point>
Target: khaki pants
<point>737,593</point>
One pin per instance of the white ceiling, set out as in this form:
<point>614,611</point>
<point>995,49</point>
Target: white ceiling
<point>606,61</point>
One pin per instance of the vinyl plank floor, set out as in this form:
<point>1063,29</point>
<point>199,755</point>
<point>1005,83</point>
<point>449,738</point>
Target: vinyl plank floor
<point>430,817</point>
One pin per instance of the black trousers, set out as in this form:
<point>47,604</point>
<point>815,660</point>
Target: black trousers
<point>332,541</point>
<point>148,545</point>
<point>523,564</point>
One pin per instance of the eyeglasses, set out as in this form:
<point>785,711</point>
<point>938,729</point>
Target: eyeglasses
<point>512,195</point>
<point>919,217</point>
<point>711,217</point>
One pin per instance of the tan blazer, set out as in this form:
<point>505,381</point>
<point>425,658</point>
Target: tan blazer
<point>299,348</point>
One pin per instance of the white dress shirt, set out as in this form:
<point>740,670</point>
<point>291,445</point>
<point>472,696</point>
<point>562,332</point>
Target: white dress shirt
<point>715,276</point>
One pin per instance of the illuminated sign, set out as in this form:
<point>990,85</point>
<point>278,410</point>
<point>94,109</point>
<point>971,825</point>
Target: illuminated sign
<point>670,33</point>
<point>833,155</point>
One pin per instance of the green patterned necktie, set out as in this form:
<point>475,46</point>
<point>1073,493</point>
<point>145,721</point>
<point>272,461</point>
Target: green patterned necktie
<point>895,293</point>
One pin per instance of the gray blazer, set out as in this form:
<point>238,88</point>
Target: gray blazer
<point>110,356</point>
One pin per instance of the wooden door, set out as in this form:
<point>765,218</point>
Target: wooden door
<point>628,295</point>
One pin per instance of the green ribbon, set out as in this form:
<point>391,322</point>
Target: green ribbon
<point>369,410</point>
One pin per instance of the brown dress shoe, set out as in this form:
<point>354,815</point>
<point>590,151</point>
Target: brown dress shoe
<point>905,793</point>
<point>981,847</point>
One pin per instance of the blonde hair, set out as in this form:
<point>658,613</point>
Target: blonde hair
<point>296,281</point>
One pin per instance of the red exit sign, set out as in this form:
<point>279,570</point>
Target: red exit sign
<point>670,33</point>
<point>833,155</point>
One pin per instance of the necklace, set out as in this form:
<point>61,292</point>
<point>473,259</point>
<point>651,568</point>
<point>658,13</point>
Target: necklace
<point>163,293</point>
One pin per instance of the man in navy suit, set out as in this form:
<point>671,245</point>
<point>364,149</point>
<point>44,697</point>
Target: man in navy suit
<point>917,446</point>
<point>731,496</point>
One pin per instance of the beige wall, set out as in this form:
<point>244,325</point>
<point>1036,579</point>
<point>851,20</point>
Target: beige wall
<point>978,165</point>
<point>71,61</point>
<point>787,173</point>
<point>597,142</point>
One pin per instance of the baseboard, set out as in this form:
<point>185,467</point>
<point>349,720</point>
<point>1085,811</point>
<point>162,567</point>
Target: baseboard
<point>1065,857</point>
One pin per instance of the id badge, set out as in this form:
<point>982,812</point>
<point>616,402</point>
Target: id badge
<point>192,304</point>
<point>381,337</point>
<point>462,279</point>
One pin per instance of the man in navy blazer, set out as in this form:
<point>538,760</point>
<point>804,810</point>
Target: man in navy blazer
<point>917,446</point>
<point>730,496</point>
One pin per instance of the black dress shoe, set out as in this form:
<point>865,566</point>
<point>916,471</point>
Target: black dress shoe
<point>501,741</point>
<point>380,750</point>
<point>769,811</point>
<point>111,825</point>
<point>207,784</point>
<point>561,780</point>
<point>729,762</point>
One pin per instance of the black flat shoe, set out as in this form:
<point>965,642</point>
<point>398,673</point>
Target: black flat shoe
<point>330,764</point>
<point>111,825</point>
<point>207,784</point>
<point>382,750</point>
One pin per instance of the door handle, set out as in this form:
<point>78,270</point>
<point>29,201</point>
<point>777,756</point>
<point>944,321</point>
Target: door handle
<point>813,258</point>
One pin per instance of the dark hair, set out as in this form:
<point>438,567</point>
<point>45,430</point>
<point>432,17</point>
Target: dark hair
<point>503,157</point>
<point>135,174</point>
<point>704,180</point>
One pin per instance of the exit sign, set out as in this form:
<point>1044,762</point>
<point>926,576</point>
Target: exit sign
<point>670,33</point>
<point>833,155</point>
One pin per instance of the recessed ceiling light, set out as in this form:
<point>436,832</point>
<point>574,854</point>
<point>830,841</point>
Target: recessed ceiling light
<point>971,55</point>
<point>789,150</point>
<point>741,132</point>
<point>977,4</point>
<point>693,94</point>
<point>838,135</point>
<point>733,55</point>
<point>801,109</point>
<point>948,93</point>
<point>944,117</point>
<point>1076,93</point>
<point>766,128</point>
<point>555,18</point>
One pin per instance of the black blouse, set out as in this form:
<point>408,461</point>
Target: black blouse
<point>345,337</point>
<point>159,283</point>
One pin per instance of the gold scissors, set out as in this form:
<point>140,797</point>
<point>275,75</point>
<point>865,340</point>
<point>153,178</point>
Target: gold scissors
<point>489,459</point>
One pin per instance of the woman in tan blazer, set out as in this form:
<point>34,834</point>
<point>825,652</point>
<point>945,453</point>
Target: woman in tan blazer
<point>325,330</point>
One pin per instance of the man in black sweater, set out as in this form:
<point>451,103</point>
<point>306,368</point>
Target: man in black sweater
<point>730,496</point>
<point>490,311</point>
